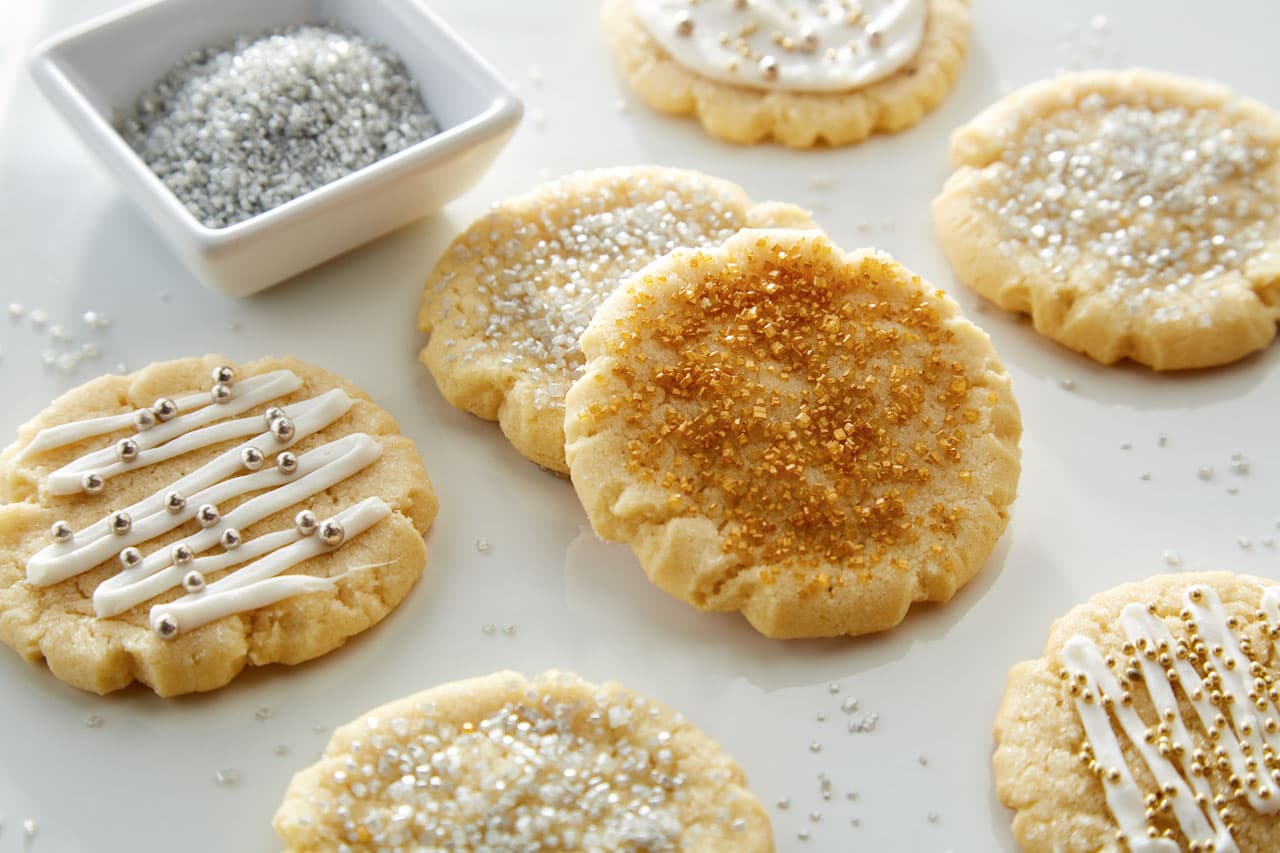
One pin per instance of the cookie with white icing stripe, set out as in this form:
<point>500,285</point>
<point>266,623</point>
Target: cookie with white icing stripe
<point>181,523</point>
<point>1132,214</point>
<point>507,301</point>
<point>803,73</point>
<point>813,438</point>
<point>507,763</point>
<point>1151,723</point>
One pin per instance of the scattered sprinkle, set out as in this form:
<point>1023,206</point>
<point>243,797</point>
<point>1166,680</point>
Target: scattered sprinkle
<point>228,777</point>
<point>489,628</point>
<point>1172,558</point>
<point>1205,473</point>
<point>93,721</point>
<point>1067,384</point>
<point>482,545</point>
<point>784,803</point>
<point>263,713</point>
<point>281,750</point>
<point>814,746</point>
<point>508,629</point>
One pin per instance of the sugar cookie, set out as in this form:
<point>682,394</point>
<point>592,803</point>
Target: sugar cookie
<point>507,301</point>
<point>801,73</point>
<point>503,763</point>
<point>814,438</point>
<point>1151,724</point>
<point>1132,214</point>
<point>181,523</point>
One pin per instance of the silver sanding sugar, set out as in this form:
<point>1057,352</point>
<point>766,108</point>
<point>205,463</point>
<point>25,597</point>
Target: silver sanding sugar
<point>235,130</point>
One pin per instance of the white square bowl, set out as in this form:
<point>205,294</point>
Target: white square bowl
<point>96,72</point>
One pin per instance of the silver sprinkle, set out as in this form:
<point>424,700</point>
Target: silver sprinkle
<point>193,582</point>
<point>223,374</point>
<point>251,458</point>
<point>230,539</point>
<point>120,522</point>
<point>174,501</point>
<point>166,627</point>
<point>221,393</point>
<point>306,523</point>
<point>92,483</point>
<point>61,532</point>
<point>130,557</point>
<point>208,515</point>
<point>164,409</point>
<point>331,532</point>
<point>286,462</point>
<point>181,554</point>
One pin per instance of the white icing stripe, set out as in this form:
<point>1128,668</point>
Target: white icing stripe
<point>257,585</point>
<point>1244,729</point>
<point>789,45</point>
<point>96,543</point>
<point>318,469</point>
<point>176,437</point>
<point>70,433</point>
<point>1124,798</point>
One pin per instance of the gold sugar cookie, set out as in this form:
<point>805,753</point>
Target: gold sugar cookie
<point>1132,214</point>
<point>507,301</point>
<point>1151,723</point>
<point>816,439</point>
<point>507,763</point>
<point>803,74</point>
<point>178,524</point>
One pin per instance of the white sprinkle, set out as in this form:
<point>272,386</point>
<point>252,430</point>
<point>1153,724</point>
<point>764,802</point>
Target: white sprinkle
<point>1126,445</point>
<point>228,777</point>
<point>821,717</point>
<point>934,817</point>
<point>508,629</point>
<point>784,802</point>
<point>1067,384</point>
<point>538,119</point>
<point>815,816</point>
<point>15,311</point>
<point>281,750</point>
<point>1240,466</point>
<point>849,705</point>
<point>489,628</point>
<point>1205,472</point>
<point>803,835</point>
<point>1098,22</point>
<point>833,688</point>
<point>822,182</point>
<point>1145,475</point>
<point>855,822</point>
<point>1268,542</point>
<point>39,317</point>
<point>319,728</point>
<point>93,721</point>
<point>536,77</point>
<point>851,796</point>
<point>482,545</point>
<point>814,746</point>
<point>621,106</point>
<point>29,827</point>
<point>263,713</point>
<point>924,761</point>
<point>1244,541</point>
<point>1163,440</point>
<point>1172,558</point>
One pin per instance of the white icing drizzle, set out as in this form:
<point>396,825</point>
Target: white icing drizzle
<point>788,45</point>
<point>199,422</point>
<point>167,440</point>
<point>212,482</point>
<point>1227,700</point>
<point>318,469</point>
<point>257,585</point>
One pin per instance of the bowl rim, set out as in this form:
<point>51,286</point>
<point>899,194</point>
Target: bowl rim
<point>48,65</point>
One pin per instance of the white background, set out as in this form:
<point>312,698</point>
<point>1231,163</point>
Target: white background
<point>144,780</point>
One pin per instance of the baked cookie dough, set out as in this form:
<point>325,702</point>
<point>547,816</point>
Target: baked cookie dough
<point>1152,722</point>
<point>507,301</point>
<point>504,763</point>
<point>813,438</point>
<point>802,73</point>
<point>178,524</point>
<point>1132,214</point>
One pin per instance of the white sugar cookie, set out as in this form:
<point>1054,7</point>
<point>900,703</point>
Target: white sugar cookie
<point>181,523</point>
<point>1132,214</point>
<point>831,73</point>
<point>1151,723</point>
<point>504,763</point>
<point>813,438</point>
<point>507,301</point>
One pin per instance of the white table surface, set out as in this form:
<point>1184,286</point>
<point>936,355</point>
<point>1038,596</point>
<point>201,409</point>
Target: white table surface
<point>1085,520</point>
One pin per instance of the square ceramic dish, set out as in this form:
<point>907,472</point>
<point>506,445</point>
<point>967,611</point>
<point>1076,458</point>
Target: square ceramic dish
<point>98,70</point>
